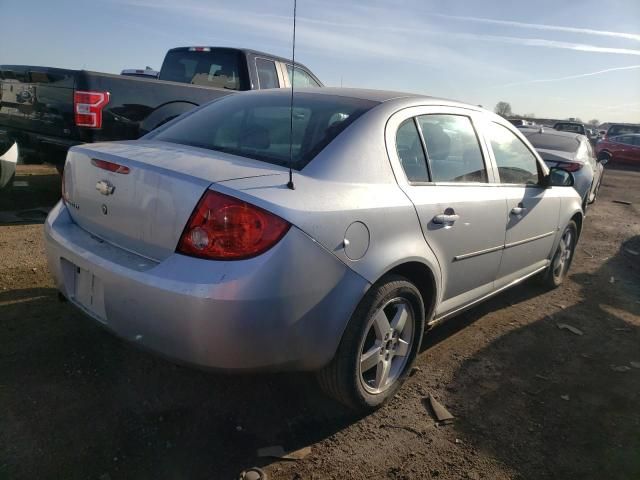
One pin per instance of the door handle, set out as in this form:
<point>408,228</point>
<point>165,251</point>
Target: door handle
<point>519,210</point>
<point>444,218</point>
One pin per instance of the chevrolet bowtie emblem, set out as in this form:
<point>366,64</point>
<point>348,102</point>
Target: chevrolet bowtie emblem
<point>105,187</point>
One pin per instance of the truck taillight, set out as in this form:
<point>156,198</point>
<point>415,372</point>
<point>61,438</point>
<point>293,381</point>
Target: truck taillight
<point>225,228</point>
<point>88,106</point>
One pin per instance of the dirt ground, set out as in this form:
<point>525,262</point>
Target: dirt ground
<point>531,400</point>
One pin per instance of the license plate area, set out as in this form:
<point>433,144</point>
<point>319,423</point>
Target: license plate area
<point>85,289</point>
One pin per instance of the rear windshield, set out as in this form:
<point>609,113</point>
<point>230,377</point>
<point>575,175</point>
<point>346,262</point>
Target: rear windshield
<point>215,68</point>
<point>258,126</point>
<point>553,142</point>
<point>615,130</point>
<point>569,127</point>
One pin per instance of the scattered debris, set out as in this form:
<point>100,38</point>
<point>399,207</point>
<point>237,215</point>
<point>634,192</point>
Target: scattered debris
<point>458,441</point>
<point>20,183</point>
<point>441,413</point>
<point>253,473</point>
<point>588,253</point>
<point>542,377</point>
<point>414,370</point>
<point>620,368</point>
<point>622,329</point>
<point>564,326</point>
<point>238,428</point>
<point>565,397</point>
<point>277,451</point>
<point>559,305</point>
<point>34,269</point>
<point>635,364</point>
<point>612,279</point>
<point>631,252</point>
<point>473,475</point>
<point>621,202</point>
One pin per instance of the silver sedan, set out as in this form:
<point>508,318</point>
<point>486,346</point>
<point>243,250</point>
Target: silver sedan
<point>400,212</point>
<point>574,153</point>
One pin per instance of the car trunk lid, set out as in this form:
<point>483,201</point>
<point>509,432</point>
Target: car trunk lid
<point>140,195</point>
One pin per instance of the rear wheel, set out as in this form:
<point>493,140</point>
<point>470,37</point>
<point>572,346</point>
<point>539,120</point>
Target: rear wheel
<point>557,271</point>
<point>378,347</point>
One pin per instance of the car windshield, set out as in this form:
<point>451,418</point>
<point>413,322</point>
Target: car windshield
<point>615,130</point>
<point>259,126</point>
<point>554,142</point>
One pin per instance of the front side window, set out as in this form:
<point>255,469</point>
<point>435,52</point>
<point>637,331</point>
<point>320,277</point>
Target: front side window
<point>267,74</point>
<point>258,126</point>
<point>301,78</point>
<point>516,164</point>
<point>453,150</point>
<point>409,147</point>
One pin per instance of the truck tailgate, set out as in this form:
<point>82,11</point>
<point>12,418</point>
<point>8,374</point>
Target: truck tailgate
<point>37,99</point>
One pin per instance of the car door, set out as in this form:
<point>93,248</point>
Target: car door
<point>532,209</point>
<point>626,149</point>
<point>441,165</point>
<point>617,146</point>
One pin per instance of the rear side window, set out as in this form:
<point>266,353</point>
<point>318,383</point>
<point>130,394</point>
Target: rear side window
<point>516,163</point>
<point>258,125</point>
<point>301,78</point>
<point>216,68</point>
<point>453,150</point>
<point>267,75</point>
<point>410,152</point>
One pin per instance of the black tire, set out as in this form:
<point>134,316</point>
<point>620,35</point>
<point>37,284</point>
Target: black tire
<point>554,275</point>
<point>342,378</point>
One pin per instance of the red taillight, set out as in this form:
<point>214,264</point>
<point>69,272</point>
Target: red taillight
<point>88,106</point>
<point>110,166</point>
<point>570,166</point>
<point>225,228</point>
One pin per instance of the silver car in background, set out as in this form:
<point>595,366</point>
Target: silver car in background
<point>572,152</point>
<point>404,211</point>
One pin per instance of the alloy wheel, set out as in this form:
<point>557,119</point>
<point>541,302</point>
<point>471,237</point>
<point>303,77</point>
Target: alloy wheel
<point>386,345</point>
<point>563,257</point>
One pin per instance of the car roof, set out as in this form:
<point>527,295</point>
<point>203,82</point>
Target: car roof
<point>378,96</point>
<point>550,132</point>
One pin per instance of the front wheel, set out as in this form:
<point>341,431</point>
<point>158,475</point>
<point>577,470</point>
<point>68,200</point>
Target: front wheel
<point>378,347</point>
<point>561,261</point>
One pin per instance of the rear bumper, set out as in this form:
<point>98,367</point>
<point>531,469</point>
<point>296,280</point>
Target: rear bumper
<point>8,161</point>
<point>284,310</point>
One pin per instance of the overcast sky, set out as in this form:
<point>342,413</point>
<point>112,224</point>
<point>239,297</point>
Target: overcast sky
<point>554,58</point>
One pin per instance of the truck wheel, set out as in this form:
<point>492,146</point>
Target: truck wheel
<point>378,347</point>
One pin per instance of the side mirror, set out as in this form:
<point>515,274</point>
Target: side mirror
<point>560,178</point>
<point>604,158</point>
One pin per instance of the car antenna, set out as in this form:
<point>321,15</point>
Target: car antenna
<point>290,184</point>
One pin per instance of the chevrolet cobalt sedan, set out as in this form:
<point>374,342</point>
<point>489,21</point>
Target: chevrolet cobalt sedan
<point>402,211</point>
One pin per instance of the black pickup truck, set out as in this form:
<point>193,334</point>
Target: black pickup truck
<point>47,110</point>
